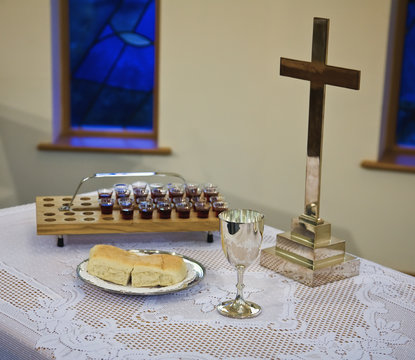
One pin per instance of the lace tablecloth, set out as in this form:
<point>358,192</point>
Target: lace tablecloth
<point>46,311</point>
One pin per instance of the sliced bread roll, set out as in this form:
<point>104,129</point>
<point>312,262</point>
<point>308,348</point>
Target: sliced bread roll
<point>118,266</point>
<point>111,263</point>
<point>158,269</point>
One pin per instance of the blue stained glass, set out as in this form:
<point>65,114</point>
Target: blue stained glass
<point>83,93</point>
<point>146,25</point>
<point>130,75</point>
<point>128,15</point>
<point>86,19</point>
<point>143,114</point>
<point>134,39</point>
<point>132,102</point>
<point>405,131</point>
<point>100,60</point>
<point>112,63</point>
<point>112,142</point>
<point>106,32</point>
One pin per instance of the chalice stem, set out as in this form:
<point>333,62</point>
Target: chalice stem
<point>240,284</point>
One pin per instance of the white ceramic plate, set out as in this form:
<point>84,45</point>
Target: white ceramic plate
<point>195,273</point>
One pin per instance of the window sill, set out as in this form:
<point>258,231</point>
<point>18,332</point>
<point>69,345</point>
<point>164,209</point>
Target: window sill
<point>124,145</point>
<point>393,161</point>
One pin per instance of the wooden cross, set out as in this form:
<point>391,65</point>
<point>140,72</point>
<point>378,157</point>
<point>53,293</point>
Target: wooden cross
<point>319,74</point>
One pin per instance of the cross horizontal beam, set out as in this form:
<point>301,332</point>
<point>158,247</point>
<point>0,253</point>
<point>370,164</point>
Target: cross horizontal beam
<point>320,73</point>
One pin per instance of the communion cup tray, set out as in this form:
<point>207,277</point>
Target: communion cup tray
<point>81,214</point>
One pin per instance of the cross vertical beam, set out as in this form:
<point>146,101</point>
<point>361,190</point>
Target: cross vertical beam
<point>319,74</point>
<point>315,123</point>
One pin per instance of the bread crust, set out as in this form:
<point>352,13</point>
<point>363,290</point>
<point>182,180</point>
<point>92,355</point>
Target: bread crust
<point>120,266</point>
<point>158,270</point>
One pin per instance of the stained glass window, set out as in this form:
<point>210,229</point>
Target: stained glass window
<point>112,60</point>
<point>405,129</point>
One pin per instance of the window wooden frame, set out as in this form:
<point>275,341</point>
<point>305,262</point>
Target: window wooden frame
<point>64,136</point>
<point>392,156</point>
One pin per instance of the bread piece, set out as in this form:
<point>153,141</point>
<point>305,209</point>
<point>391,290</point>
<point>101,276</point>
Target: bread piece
<point>111,263</point>
<point>118,266</point>
<point>174,270</point>
<point>158,269</point>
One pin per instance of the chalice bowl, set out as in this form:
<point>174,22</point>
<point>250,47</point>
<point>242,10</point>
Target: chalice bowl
<point>241,232</point>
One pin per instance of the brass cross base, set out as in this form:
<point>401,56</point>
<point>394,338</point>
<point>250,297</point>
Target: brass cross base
<point>310,255</point>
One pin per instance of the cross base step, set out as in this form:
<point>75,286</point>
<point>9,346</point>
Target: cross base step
<point>347,268</point>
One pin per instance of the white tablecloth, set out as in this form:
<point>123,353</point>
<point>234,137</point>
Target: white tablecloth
<point>46,311</point>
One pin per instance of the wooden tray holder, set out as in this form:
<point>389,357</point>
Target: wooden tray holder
<point>81,214</point>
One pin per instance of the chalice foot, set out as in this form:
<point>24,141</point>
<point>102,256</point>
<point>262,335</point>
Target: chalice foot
<point>239,309</point>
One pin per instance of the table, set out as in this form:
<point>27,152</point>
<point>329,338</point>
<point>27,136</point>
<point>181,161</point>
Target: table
<point>46,311</point>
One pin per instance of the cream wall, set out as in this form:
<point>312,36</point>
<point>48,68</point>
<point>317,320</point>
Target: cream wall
<point>228,116</point>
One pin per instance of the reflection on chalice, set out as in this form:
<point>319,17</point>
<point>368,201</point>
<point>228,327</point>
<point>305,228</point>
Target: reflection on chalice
<point>241,233</point>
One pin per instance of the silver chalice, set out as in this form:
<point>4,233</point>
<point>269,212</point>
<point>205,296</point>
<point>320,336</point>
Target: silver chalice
<point>241,234</point>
